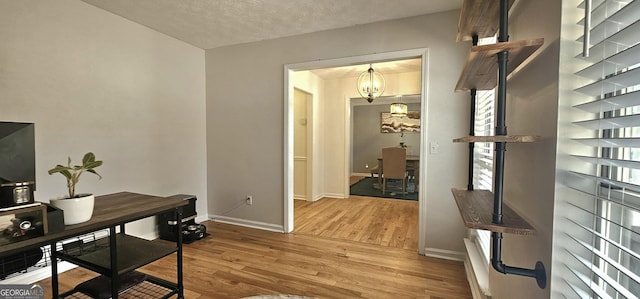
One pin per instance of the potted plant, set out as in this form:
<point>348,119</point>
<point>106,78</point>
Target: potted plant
<point>77,208</point>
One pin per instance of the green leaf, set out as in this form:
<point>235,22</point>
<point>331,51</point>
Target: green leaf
<point>88,157</point>
<point>58,168</point>
<point>93,164</point>
<point>94,172</point>
<point>66,173</point>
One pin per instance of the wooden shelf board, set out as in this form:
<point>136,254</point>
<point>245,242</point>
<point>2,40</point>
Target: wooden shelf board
<point>481,68</point>
<point>507,138</point>
<point>479,17</point>
<point>476,209</point>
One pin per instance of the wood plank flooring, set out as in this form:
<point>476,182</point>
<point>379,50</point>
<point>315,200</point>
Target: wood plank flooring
<point>380,221</point>
<point>375,262</point>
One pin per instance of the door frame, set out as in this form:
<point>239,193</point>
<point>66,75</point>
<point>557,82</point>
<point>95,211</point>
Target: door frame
<point>289,69</point>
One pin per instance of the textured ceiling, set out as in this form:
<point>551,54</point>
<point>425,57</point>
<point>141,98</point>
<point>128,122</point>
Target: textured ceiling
<point>214,23</point>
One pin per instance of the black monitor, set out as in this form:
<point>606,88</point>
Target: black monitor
<point>17,153</point>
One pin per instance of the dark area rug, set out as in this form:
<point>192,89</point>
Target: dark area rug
<point>369,187</point>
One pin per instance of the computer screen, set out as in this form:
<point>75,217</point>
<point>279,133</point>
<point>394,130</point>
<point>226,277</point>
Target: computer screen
<point>17,152</point>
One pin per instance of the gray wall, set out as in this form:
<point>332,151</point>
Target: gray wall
<point>93,81</point>
<point>368,140</point>
<point>245,92</point>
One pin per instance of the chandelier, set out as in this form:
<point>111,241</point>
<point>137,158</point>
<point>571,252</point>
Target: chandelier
<point>398,109</point>
<point>371,84</point>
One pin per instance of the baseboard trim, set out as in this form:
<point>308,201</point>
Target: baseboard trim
<point>445,254</point>
<point>202,218</point>
<point>335,195</point>
<point>367,174</point>
<point>150,236</point>
<point>37,275</point>
<point>248,223</point>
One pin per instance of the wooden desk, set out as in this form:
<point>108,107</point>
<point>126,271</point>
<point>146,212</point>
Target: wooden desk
<point>109,212</point>
<point>412,160</point>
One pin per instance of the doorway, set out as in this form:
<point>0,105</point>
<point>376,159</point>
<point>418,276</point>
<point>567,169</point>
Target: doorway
<point>373,128</point>
<point>341,114</point>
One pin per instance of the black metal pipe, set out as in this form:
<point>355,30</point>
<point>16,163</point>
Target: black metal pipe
<point>472,132</point>
<point>503,34</point>
<point>501,130</point>
<point>498,182</point>
<point>538,273</point>
<point>501,104</point>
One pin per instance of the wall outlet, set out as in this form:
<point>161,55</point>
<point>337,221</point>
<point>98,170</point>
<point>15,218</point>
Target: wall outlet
<point>249,200</point>
<point>434,147</point>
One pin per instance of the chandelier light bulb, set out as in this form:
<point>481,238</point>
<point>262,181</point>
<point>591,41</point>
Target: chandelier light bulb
<point>371,84</point>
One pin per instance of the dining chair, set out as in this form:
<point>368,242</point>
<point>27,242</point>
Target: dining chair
<point>394,166</point>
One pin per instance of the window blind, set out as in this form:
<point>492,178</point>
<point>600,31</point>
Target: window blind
<point>483,158</point>
<point>604,235</point>
<point>483,151</point>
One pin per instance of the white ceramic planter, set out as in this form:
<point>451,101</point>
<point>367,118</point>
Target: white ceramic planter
<point>76,210</point>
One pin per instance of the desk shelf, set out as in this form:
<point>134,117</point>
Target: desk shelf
<point>481,69</point>
<point>132,253</point>
<point>476,208</point>
<point>506,138</point>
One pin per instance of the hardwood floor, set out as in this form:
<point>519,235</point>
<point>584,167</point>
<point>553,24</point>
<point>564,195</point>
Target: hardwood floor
<point>379,221</point>
<point>364,257</point>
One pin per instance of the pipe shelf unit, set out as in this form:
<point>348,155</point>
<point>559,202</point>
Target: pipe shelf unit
<point>487,67</point>
<point>480,67</point>
<point>479,18</point>
<point>504,138</point>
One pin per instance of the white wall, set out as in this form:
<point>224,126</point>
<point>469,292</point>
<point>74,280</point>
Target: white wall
<point>93,81</point>
<point>532,108</point>
<point>245,98</point>
<point>311,83</point>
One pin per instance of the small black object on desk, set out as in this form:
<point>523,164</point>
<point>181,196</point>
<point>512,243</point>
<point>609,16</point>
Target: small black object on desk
<point>190,230</point>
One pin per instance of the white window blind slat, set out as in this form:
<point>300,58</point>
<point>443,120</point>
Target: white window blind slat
<point>597,180</point>
<point>612,64</point>
<point>618,245</point>
<point>604,23</point>
<point>586,280</point>
<point>619,289</point>
<point>626,121</point>
<point>610,142</point>
<point>613,83</point>
<point>612,103</point>
<point>623,40</point>
<point>606,258</point>
<point>609,162</point>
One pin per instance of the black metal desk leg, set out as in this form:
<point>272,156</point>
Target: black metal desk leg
<point>113,255</point>
<point>54,271</point>
<point>179,253</point>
